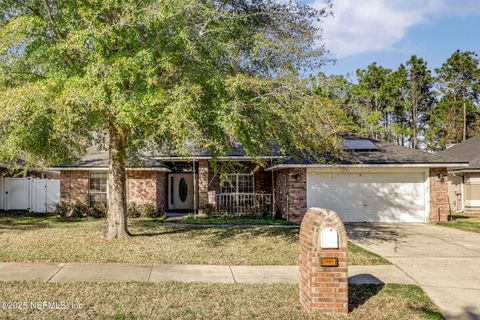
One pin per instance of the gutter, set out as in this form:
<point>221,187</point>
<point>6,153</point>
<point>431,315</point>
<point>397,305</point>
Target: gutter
<point>160,169</point>
<point>240,158</point>
<point>400,165</point>
<point>466,170</point>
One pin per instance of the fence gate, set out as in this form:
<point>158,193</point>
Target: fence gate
<point>37,195</point>
<point>17,193</point>
<point>45,194</point>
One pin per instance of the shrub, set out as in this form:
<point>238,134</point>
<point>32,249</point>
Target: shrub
<point>141,210</point>
<point>260,211</point>
<point>209,210</point>
<point>77,209</point>
<point>97,211</point>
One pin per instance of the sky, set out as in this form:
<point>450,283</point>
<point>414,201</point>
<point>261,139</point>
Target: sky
<point>390,31</point>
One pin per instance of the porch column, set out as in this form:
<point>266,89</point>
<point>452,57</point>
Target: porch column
<point>202,184</point>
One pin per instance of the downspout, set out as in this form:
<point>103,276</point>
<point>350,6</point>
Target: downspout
<point>462,192</point>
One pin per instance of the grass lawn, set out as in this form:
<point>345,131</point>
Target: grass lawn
<point>174,300</point>
<point>234,220</point>
<point>51,239</point>
<point>468,222</point>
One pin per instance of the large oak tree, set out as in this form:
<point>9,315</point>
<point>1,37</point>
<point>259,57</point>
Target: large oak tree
<point>157,73</point>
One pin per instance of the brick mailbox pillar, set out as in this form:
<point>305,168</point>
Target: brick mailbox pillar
<point>323,262</point>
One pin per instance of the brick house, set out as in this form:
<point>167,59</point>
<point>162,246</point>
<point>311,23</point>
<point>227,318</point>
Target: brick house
<point>464,182</point>
<point>379,182</point>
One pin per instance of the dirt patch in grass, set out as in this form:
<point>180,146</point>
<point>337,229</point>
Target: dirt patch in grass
<point>50,239</point>
<point>467,222</point>
<point>174,300</point>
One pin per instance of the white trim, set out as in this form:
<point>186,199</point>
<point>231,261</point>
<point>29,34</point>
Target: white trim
<point>465,170</point>
<point>473,203</point>
<point>239,158</point>
<point>106,169</point>
<point>473,180</point>
<point>366,169</point>
<point>340,166</point>
<point>426,218</point>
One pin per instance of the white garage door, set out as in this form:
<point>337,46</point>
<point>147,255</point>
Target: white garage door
<point>369,196</point>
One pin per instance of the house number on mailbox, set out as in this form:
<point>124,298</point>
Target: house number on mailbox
<point>329,238</point>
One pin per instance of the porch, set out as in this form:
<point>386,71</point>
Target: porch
<point>247,190</point>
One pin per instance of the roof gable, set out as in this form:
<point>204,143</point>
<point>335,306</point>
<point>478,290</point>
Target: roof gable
<point>468,150</point>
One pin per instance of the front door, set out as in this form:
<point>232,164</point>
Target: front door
<point>180,191</point>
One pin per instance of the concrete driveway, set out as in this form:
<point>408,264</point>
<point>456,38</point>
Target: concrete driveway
<point>445,262</point>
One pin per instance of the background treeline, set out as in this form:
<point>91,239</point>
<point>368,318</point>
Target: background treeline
<point>412,106</point>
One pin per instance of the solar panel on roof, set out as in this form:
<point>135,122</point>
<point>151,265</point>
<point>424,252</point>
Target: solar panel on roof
<point>360,145</point>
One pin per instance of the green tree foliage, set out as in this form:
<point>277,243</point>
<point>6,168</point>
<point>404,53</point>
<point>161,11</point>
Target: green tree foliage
<point>373,94</point>
<point>418,97</point>
<point>167,72</point>
<point>402,106</point>
<point>459,84</point>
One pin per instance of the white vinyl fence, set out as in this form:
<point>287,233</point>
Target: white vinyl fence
<point>35,195</point>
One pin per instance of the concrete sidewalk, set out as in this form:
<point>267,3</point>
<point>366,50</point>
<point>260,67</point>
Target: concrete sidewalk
<point>115,272</point>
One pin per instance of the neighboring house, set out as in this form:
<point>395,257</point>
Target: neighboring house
<point>380,182</point>
<point>464,183</point>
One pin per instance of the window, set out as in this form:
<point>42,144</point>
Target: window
<point>97,193</point>
<point>238,183</point>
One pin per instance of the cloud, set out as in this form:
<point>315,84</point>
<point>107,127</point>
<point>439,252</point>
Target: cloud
<point>359,26</point>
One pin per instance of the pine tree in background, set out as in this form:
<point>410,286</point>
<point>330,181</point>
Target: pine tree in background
<point>455,118</point>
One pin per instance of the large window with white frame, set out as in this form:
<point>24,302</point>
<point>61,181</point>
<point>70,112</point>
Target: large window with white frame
<point>238,183</point>
<point>97,191</point>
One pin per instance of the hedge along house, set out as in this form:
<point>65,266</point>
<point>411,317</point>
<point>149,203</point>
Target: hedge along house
<point>464,182</point>
<point>380,182</point>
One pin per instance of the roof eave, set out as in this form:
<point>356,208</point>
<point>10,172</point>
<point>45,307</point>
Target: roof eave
<point>239,158</point>
<point>106,169</point>
<point>380,165</point>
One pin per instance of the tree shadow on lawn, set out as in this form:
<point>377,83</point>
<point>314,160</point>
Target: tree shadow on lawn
<point>358,294</point>
<point>22,220</point>
<point>218,234</point>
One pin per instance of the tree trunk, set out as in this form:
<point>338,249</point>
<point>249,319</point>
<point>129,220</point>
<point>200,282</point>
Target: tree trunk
<point>414,124</point>
<point>464,121</point>
<point>117,195</point>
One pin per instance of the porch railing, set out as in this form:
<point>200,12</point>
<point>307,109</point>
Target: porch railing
<point>243,203</point>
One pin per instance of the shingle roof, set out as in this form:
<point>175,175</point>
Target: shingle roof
<point>99,159</point>
<point>468,151</point>
<point>388,153</point>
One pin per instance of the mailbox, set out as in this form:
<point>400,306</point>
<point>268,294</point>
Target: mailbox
<point>323,262</point>
<point>329,238</point>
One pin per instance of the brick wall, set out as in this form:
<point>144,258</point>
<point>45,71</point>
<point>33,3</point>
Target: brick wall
<point>148,187</point>
<point>142,187</point>
<point>162,192</point>
<point>263,181</point>
<point>291,193</point>
<point>323,288</point>
<point>438,195</point>
<point>74,185</point>
<point>203,183</point>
